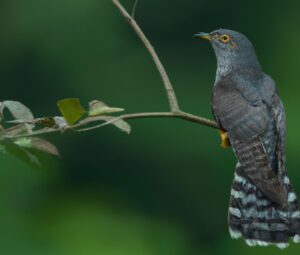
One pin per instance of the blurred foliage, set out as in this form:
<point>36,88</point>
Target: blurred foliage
<point>165,188</point>
<point>19,136</point>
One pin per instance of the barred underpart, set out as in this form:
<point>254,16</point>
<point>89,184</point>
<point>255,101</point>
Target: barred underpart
<point>259,220</point>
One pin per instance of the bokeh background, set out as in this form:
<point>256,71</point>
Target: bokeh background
<point>164,189</point>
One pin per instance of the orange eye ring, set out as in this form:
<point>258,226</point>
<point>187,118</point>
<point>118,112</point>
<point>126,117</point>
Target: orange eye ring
<point>224,38</point>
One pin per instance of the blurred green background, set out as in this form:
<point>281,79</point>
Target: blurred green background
<point>164,189</point>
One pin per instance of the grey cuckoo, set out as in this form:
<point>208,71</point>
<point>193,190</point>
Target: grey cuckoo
<point>263,208</point>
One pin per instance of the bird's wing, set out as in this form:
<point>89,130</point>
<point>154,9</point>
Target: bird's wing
<point>269,93</point>
<point>245,117</point>
<point>279,115</point>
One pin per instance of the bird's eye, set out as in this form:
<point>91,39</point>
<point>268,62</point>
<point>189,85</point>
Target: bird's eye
<point>224,38</point>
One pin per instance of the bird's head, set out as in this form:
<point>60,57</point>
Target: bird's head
<point>226,41</point>
<point>231,48</point>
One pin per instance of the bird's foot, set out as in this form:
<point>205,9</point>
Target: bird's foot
<point>225,143</point>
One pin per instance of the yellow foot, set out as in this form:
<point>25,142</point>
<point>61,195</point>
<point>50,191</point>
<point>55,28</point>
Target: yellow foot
<point>225,143</point>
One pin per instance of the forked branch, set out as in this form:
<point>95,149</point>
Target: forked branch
<point>24,127</point>
<point>173,103</point>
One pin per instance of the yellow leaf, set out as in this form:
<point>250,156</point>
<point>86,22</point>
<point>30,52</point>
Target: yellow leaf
<point>71,109</point>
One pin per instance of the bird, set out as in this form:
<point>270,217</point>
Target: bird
<point>263,208</point>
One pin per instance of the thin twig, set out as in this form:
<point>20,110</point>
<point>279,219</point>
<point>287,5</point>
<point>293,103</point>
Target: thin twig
<point>134,8</point>
<point>142,115</point>
<point>180,115</point>
<point>174,107</point>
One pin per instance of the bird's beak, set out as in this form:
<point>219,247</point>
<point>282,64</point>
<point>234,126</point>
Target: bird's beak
<point>202,35</point>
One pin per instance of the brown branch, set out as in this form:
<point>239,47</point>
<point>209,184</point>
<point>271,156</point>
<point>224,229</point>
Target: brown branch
<point>175,111</point>
<point>87,121</point>
<point>174,106</point>
<point>179,115</point>
<point>173,103</point>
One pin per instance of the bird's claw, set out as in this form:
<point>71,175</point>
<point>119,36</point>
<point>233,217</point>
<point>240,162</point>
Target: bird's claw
<point>225,143</point>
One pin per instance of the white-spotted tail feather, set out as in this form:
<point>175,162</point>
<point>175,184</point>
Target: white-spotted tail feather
<point>258,220</point>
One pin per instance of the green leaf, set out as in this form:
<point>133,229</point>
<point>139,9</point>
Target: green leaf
<point>71,109</point>
<point>2,106</point>
<point>21,153</point>
<point>99,108</point>
<point>119,123</point>
<point>23,142</point>
<point>44,145</point>
<point>33,159</point>
<point>38,144</point>
<point>123,125</point>
<point>18,111</point>
<point>17,130</point>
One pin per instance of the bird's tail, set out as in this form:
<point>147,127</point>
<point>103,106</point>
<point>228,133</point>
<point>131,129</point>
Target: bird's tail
<point>258,220</point>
